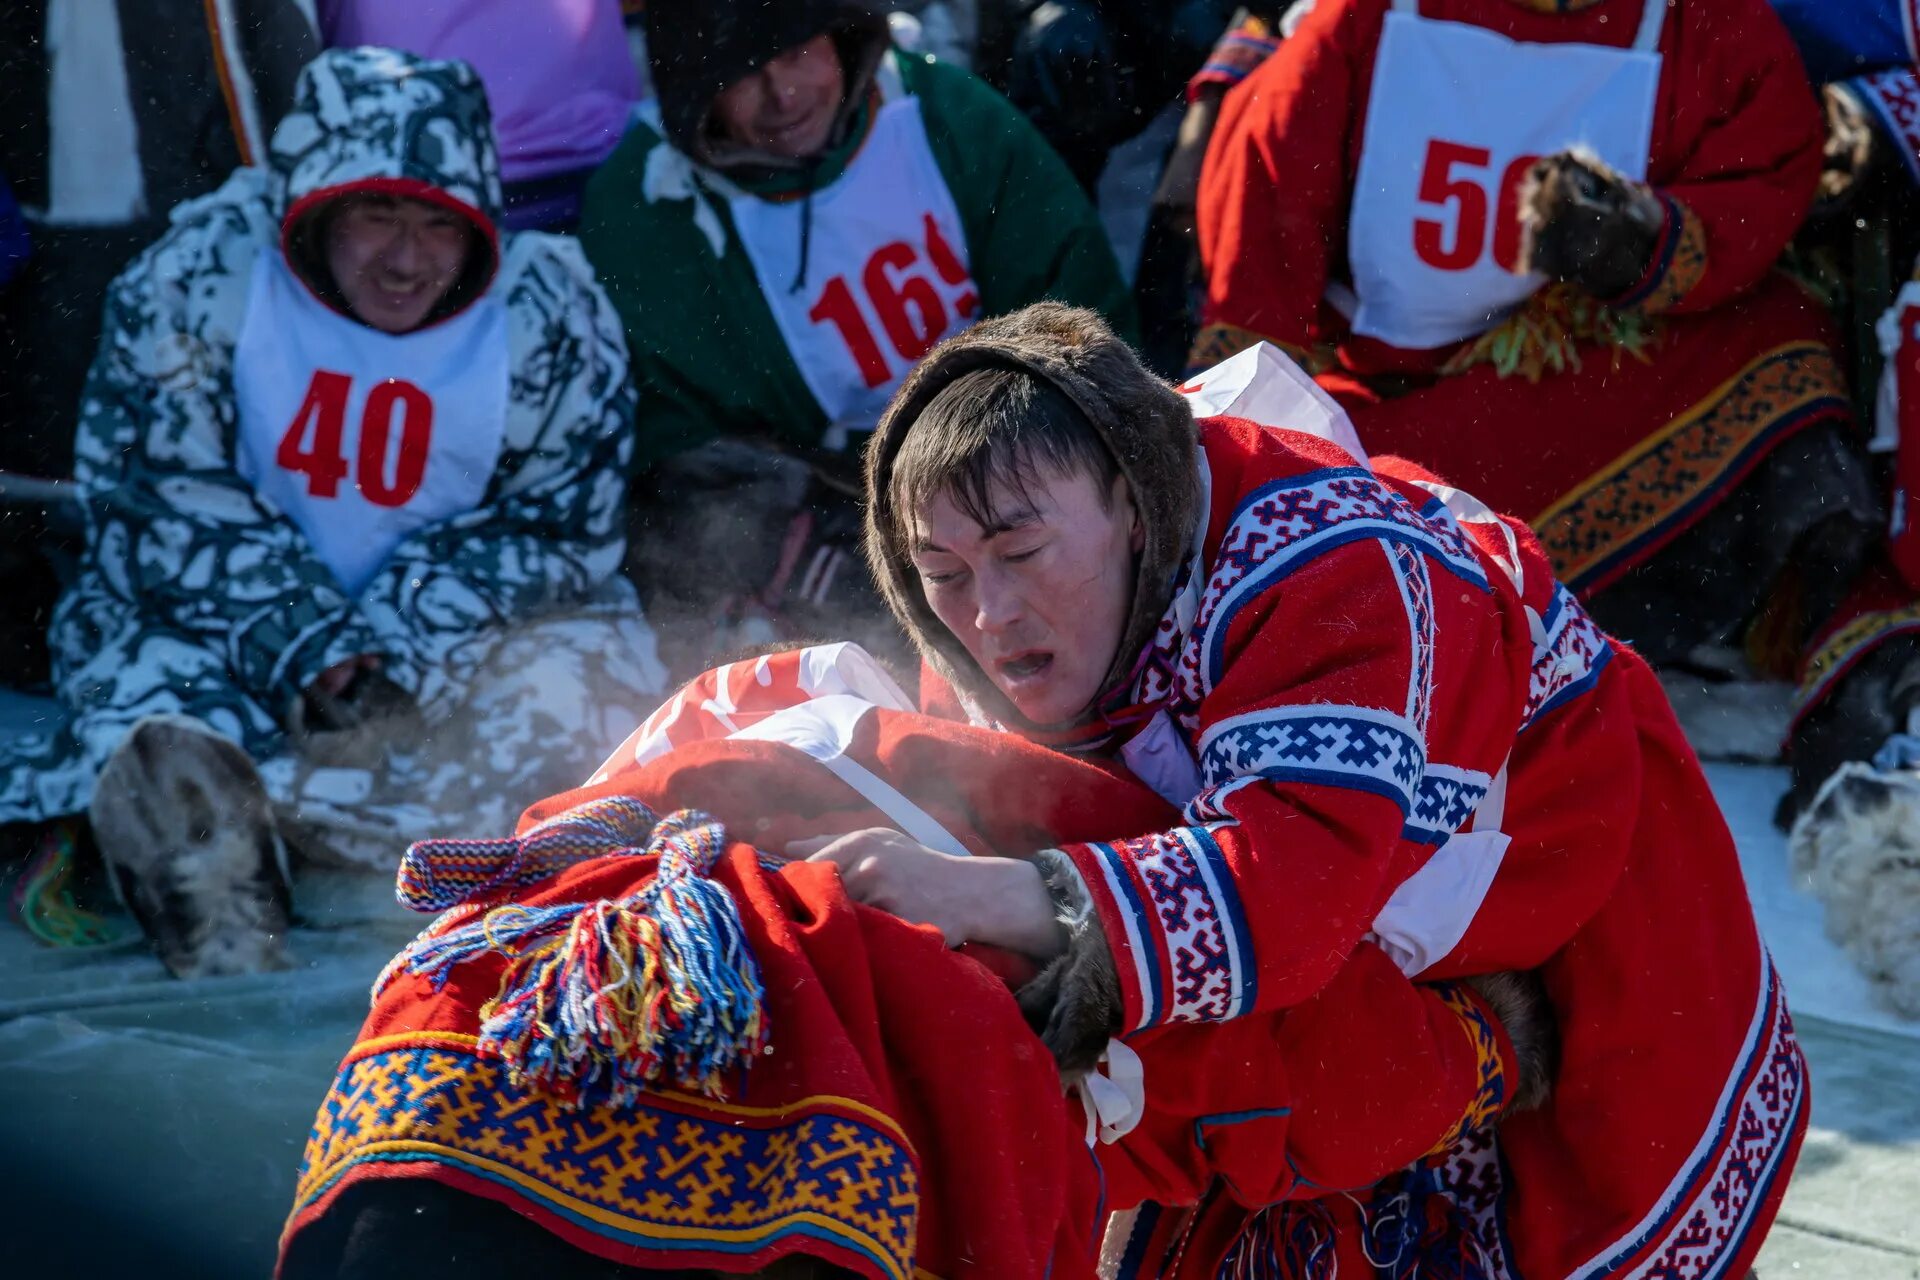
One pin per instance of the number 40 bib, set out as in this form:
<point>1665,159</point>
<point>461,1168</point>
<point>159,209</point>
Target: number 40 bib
<point>362,437</point>
<point>1458,116</point>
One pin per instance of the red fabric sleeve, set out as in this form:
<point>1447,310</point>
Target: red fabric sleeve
<point>1357,664</point>
<point>1353,1084</point>
<point>1739,161</point>
<point>1272,205</point>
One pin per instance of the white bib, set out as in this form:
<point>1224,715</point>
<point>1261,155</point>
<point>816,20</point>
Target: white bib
<point>362,437</point>
<point>887,270</point>
<point>1458,115</point>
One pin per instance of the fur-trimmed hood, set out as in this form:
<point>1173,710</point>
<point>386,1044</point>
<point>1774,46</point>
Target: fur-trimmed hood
<point>382,121</point>
<point>1145,424</point>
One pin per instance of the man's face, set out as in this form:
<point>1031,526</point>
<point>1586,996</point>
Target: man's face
<point>394,258</point>
<point>787,107</point>
<point>1040,599</point>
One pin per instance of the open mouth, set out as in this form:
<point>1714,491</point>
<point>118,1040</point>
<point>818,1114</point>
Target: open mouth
<point>1025,667</point>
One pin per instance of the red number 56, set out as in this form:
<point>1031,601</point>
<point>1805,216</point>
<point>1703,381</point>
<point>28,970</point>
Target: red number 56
<point>1454,176</point>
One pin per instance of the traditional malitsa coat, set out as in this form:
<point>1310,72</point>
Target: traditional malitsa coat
<point>1359,207</point>
<point>1385,720</point>
<point>273,487</point>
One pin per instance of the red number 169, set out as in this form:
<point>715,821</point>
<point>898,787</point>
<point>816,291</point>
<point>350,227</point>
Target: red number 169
<point>1450,178</point>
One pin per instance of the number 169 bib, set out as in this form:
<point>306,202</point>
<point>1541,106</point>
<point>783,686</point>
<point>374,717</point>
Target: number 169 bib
<point>886,270</point>
<point>1457,118</point>
<point>360,436</point>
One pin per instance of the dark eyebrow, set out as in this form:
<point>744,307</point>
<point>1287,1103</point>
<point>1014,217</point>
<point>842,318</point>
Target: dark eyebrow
<point>1009,523</point>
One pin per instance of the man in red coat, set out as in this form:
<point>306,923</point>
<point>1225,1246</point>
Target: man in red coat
<point>1528,243</point>
<point>1383,720</point>
<point>864,1057</point>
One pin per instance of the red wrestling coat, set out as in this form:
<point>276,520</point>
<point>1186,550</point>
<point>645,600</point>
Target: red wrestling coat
<point>1610,456</point>
<point>1332,663</point>
<point>944,1159</point>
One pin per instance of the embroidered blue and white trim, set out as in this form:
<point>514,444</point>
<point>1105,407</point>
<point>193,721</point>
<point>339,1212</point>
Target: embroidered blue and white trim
<point>1340,746</point>
<point>1282,526</point>
<point>1186,932</point>
<point>1569,653</point>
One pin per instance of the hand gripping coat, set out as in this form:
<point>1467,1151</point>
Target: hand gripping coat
<point>895,1116</point>
<point>1385,718</point>
<point>222,574</point>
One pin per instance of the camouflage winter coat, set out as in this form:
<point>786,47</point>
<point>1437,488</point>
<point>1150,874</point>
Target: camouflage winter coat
<point>179,536</point>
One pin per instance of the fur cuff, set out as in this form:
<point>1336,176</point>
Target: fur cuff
<point>1074,1003</point>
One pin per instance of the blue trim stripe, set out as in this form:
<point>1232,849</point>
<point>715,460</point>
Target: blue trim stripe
<point>1756,1055</point>
<point>1630,551</point>
<point>1297,555</point>
<point>1574,688</point>
<point>1358,748</point>
<point>1226,896</point>
<point>1226,1118</point>
<point>1146,958</point>
<point>1144,1223</point>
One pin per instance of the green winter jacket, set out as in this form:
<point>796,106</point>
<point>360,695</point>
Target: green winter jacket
<point>707,356</point>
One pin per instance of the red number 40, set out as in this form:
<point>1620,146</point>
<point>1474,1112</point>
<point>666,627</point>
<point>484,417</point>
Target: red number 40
<point>324,460</point>
<point>1449,178</point>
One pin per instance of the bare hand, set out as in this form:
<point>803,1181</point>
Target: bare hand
<point>999,901</point>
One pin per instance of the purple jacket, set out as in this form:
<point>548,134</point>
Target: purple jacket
<point>557,72</point>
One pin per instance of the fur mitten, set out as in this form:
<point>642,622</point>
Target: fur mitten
<point>1583,223</point>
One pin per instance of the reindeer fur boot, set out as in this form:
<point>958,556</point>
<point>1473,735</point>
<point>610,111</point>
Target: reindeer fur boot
<point>186,830</point>
<point>1582,222</point>
<point>1857,848</point>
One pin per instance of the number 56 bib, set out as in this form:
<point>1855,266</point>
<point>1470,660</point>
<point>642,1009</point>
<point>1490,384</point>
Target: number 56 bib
<point>362,437</point>
<point>1458,116</point>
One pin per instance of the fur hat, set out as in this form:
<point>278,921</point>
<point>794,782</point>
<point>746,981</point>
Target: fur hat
<point>1147,427</point>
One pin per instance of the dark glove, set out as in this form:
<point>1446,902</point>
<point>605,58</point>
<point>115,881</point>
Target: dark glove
<point>1583,223</point>
<point>1854,149</point>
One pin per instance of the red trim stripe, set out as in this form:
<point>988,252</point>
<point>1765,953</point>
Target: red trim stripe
<point>406,188</point>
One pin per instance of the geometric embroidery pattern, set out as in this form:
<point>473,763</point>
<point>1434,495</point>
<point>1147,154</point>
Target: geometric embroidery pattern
<point>1342,746</point>
<point>1187,933</point>
<point>1567,658</point>
<point>1707,1213</point>
<point>1446,798</point>
<point>1652,491</point>
<point>1283,525</point>
<point>1894,96</point>
<point>1678,263</point>
<point>670,1172</point>
<point>1492,1093</point>
<point>1416,593</point>
<point>1838,652</point>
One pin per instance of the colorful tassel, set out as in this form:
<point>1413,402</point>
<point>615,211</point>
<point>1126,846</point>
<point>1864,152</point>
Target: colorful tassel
<point>603,1000</point>
<point>438,874</point>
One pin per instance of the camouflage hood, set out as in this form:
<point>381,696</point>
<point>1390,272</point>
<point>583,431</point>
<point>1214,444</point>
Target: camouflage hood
<point>381,121</point>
